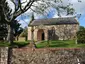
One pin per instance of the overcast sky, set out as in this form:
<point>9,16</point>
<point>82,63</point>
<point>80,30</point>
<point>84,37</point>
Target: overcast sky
<point>78,6</point>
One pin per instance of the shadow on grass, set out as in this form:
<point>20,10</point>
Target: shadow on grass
<point>4,44</point>
<point>58,44</point>
<point>19,44</point>
<point>43,44</point>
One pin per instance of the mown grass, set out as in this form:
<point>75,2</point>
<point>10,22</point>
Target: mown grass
<point>14,44</point>
<point>44,44</point>
<point>60,44</point>
<point>4,44</point>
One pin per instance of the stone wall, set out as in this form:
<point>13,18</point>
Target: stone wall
<point>66,32</point>
<point>48,56</point>
<point>3,55</point>
<point>44,56</point>
<point>62,32</point>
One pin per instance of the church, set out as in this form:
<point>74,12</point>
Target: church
<point>62,28</point>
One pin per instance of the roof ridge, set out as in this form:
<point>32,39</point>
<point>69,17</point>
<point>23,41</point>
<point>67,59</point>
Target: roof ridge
<point>53,18</point>
<point>55,21</point>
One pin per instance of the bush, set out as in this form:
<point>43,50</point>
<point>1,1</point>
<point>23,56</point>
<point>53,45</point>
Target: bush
<point>81,36</point>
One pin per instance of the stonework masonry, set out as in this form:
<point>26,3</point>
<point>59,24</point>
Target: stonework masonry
<point>48,56</point>
<point>3,55</point>
<point>62,32</point>
<point>44,56</point>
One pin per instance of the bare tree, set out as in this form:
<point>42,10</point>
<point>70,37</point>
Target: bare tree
<point>10,17</point>
<point>21,6</point>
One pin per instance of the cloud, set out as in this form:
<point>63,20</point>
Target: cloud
<point>74,1</point>
<point>78,6</point>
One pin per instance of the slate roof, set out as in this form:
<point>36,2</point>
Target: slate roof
<point>54,21</point>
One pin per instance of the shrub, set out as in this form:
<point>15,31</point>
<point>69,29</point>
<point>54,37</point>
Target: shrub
<point>81,36</point>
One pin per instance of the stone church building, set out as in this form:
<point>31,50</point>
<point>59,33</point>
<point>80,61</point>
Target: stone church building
<point>63,28</point>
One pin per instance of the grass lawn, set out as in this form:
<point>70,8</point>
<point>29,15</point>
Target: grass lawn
<point>15,44</point>
<point>43,44</point>
<point>60,44</point>
<point>4,44</point>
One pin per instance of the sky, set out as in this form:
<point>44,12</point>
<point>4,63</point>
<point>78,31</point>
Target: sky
<point>78,6</point>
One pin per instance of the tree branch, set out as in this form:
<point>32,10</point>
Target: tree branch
<point>29,4</point>
<point>24,2</point>
<point>20,5</point>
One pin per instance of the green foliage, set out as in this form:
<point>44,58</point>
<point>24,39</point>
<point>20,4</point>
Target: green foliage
<point>20,44</point>
<point>3,24</point>
<point>81,28</point>
<point>24,33</point>
<point>3,31</point>
<point>81,35</point>
<point>17,29</point>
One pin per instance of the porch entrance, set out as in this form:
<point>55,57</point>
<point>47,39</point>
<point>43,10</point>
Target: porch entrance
<point>40,35</point>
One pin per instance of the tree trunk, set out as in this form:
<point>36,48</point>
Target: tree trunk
<point>10,40</point>
<point>10,50</point>
<point>17,38</point>
<point>10,34</point>
<point>26,38</point>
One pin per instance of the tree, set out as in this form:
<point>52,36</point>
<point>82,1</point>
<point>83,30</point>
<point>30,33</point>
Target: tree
<point>17,29</point>
<point>59,5</point>
<point>81,35</point>
<point>3,25</point>
<point>32,44</point>
<point>3,31</point>
<point>81,28</point>
<point>10,17</point>
<point>20,7</point>
<point>24,33</point>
